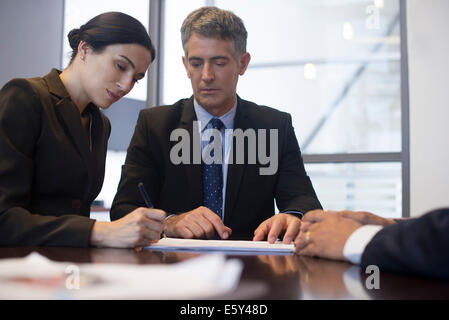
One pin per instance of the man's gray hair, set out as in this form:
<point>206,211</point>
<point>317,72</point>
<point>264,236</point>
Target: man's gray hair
<point>212,22</point>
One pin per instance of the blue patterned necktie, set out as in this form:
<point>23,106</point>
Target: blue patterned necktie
<point>213,177</point>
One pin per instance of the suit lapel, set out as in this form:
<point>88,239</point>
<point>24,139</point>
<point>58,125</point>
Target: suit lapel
<point>235,171</point>
<point>70,120</point>
<point>99,147</point>
<point>193,170</point>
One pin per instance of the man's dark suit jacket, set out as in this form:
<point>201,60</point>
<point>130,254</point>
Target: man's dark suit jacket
<point>48,175</point>
<point>174,188</point>
<point>418,246</point>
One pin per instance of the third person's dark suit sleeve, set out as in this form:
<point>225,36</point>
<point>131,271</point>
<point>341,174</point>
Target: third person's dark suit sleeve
<point>418,246</point>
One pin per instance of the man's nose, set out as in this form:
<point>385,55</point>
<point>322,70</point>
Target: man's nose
<point>208,73</point>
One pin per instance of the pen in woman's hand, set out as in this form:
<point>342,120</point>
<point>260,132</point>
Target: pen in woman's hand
<point>145,195</point>
<point>148,203</point>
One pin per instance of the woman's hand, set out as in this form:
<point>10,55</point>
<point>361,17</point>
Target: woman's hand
<point>139,228</point>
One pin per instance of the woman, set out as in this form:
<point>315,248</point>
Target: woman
<point>53,142</point>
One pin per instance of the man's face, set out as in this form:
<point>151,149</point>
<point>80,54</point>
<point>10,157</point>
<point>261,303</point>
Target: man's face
<point>214,69</point>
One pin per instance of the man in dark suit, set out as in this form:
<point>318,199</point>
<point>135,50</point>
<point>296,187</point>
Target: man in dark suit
<point>235,193</point>
<point>417,246</point>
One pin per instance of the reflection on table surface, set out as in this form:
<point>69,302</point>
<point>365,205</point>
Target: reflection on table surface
<point>270,277</point>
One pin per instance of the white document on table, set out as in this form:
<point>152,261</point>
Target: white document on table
<point>37,277</point>
<point>232,246</point>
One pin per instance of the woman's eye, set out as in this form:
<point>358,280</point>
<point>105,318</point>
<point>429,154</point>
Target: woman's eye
<point>120,67</point>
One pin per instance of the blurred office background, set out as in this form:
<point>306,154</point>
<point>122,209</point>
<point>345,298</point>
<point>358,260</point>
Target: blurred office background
<point>364,81</point>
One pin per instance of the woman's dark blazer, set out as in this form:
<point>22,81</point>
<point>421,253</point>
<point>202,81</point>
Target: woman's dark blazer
<point>49,173</point>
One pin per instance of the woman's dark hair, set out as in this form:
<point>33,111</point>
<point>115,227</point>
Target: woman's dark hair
<point>110,28</point>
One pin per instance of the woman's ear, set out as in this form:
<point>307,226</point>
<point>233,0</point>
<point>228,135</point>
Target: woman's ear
<point>83,49</point>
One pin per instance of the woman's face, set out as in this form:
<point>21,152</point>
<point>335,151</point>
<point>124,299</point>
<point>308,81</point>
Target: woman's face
<point>110,74</point>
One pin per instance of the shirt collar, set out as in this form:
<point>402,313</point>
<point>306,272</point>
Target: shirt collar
<point>55,84</point>
<point>204,117</point>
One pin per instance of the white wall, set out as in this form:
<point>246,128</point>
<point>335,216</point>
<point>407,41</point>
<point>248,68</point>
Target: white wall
<point>30,37</point>
<point>428,47</point>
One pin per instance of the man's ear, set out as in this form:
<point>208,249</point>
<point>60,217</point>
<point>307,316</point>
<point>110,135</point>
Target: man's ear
<point>184,61</point>
<point>244,62</point>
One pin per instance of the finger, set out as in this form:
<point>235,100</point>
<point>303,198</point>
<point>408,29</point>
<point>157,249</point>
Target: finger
<point>154,214</point>
<point>277,226</point>
<point>185,232</point>
<point>310,250</point>
<point>301,242</point>
<point>349,214</point>
<point>205,224</point>
<point>305,238</point>
<point>146,237</point>
<point>261,231</point>
<point>305,226</point>
<point>293,228</point>
<point>145,242</point>
<point>197,231</point>
<point>314,216</point>
<point>362,217</point>
<point>223,231</point>
<point>151,224</point>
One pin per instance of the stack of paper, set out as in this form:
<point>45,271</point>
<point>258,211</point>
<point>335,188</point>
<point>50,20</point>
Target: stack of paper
<point>233,246</point>
<point>36,277</point>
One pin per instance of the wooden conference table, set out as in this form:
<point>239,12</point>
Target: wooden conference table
<point>268,277</point>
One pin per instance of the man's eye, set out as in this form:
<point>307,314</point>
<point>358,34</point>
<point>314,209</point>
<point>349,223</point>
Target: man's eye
<point>195,64</point>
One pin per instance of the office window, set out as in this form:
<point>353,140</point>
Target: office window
<point>373,187</point>
<point>176,85</point>
<point>336,67</point>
